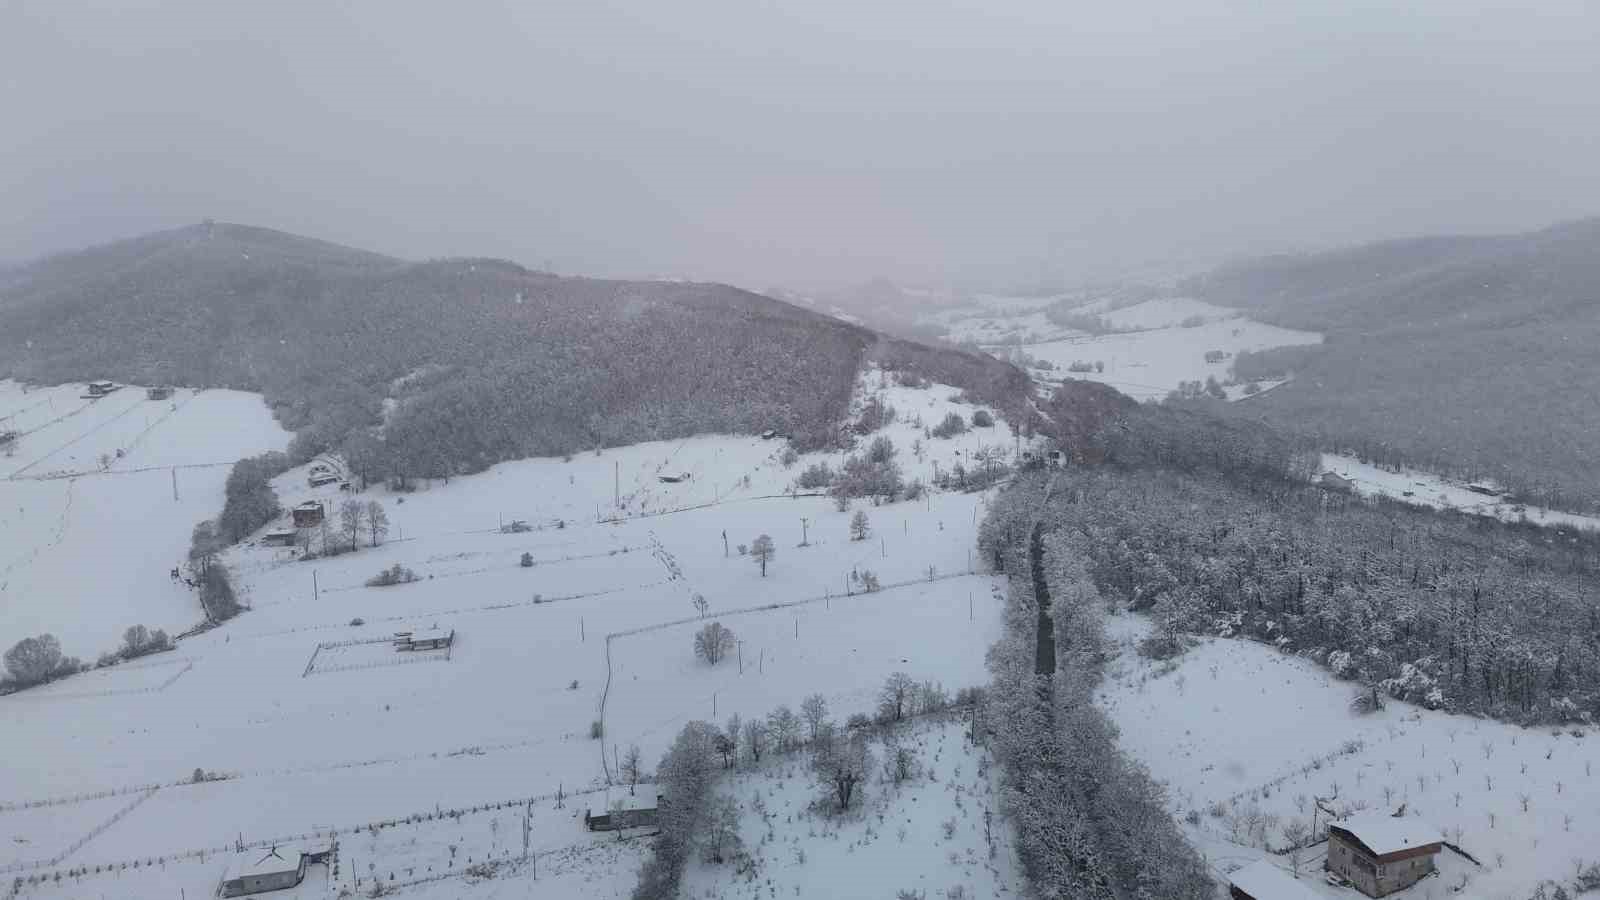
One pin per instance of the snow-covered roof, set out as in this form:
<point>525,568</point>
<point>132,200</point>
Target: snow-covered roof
<point>1265,881</point>
<point>1384,834</point>
<point>310,504</point>
<point>265,862</point>
<point>644,796</point>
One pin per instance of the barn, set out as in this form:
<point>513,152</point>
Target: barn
<point>620,807</point>
<point>1333,481</point>
<point>1381,853</point>
<point>1261,880</point>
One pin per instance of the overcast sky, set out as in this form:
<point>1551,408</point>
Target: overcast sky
<point>798,142</point>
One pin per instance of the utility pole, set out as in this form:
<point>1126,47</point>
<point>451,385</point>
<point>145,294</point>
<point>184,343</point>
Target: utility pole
<point>883,547</point>
<point>582,636</point>
<point>969,606</point>
<point>724,542</point>
<point>616,475</point>
<point>761,662</point>
<point>804,541</point>
<point>174,484</point>
<point>316,592</point>
<point>740,642</point>
<point>713,704</point>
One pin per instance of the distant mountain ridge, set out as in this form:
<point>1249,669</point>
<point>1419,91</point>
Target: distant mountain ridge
<point>492,361</point>
<point>1477,356</point>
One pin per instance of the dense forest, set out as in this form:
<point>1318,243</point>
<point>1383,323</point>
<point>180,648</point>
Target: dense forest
<point>1447,610</point>
<point>1471,356</point>
<point>464,362</point>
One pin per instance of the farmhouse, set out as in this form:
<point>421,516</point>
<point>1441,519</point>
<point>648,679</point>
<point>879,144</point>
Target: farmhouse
<point>307,514</point>
<point>1333,481</point>
<point>1380,853</point>
<point>432,638</point>
<point>620,807</point>
<point>1261,880</point>
<point>280,868</point>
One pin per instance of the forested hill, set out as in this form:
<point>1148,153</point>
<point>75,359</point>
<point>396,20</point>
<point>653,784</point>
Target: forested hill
<point>1477,356</point>
<point>481,360</point>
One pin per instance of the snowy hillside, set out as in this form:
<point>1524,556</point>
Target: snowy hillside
<point>1246,738</point>
<point>98,501</point>
<point>1426,489</point>
<point>310,722</point>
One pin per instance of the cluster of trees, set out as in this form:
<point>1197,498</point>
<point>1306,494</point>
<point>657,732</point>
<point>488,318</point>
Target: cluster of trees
<point>1090,822</point>
<point>137,641</point>
<point>1446,610</point>
<point>841,763</point>
<point>36,660</point>
<point>249,500</point>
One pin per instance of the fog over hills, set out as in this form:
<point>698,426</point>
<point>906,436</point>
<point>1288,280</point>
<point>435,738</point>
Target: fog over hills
<point>477,360</point>
<point>1471,355</point>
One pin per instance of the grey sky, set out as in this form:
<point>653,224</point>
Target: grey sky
<point>798,142</point>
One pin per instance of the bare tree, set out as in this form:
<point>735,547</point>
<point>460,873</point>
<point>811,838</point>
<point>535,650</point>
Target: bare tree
<point>134,640</point>
<point>859,527</point>
<point>895,696</point>
<point>722,831</point>
<point>630,767</point>
<point>755,739</point>
<point>784,727</point>
<point>351,514</point>
<point>763,551</point>
<point>814,710</point>
<point>840,761</point>
<point>713,642</point>
<point>899,761</point>
<point>377,522</point>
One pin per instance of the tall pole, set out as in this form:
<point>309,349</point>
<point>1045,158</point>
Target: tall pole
<point>316,593</point>
<point>174,484</point>
<point>616,476</point>
<point>803,523</point>
<point>740,642</point>
<point>582,636</point>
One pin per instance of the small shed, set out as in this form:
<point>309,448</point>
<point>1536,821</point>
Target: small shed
<point>431,638</point>
<point>158,393</point>
<point>1381,853</point>
<point>101,388</point>
<point>279,537</point>
<point>280,868</point>
<point>620,807</point>
<point>1261,880</point>
<point>308,514</point>
<point>673,479</point>
<point>1484,488</point>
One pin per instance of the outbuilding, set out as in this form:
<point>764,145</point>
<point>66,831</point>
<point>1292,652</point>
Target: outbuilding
<point>1381,853</point>
<point>279,537</point>
<point>158,393</point>
<point>431,638</point>
<point>101,388</point>
<point>621,807</point>
<point>1261,880</point>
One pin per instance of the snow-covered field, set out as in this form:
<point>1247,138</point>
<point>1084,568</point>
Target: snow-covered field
<point>1430,490</point>
<point>308,732</point>
<point>1148,363</point>
<point>939,834</point>
<point>86,537</point>
<point>1245,737</point>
